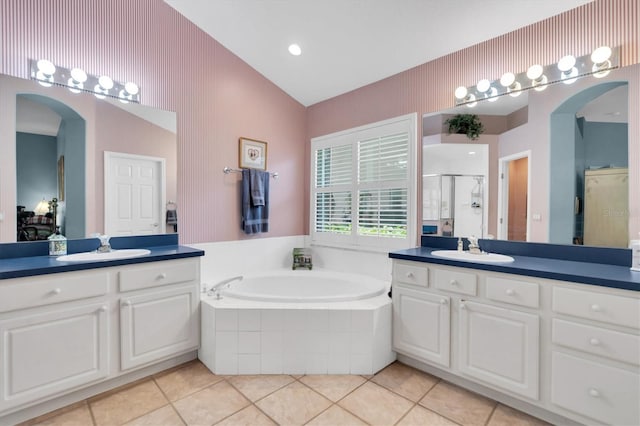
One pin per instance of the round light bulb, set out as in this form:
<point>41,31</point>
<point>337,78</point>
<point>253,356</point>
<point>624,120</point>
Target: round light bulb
<point>99,91</point>
<point>471,99</point>
<point>566,63</point>
<point>105,82</point>
<point>535,72</point>
<point>46,67</point>
<point>78,75</point>
<point>507,79</point>
<point>600,70</point>
<point>460,92</point>
<point>483,85</point>
<point>44,80</point>
<point>123,97</point>
<point>569,76</point>
<point>515,90</point>
<point>601,54</point>
<point>540,84</point>
<point>131,88</point>
<point>492,96</point>
<point>295,49</point>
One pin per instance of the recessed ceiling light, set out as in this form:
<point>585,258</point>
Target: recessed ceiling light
<point>295,49</point>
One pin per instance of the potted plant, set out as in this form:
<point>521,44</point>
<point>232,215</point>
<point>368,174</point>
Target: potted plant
<point>466,124</point>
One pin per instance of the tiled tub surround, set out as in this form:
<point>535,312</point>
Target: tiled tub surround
<point>554,333</point>
<point>69,330</point>
<point>250,337</point>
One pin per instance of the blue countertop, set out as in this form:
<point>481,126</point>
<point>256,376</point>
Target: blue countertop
<point>27,259</point>
<point>607,275</point>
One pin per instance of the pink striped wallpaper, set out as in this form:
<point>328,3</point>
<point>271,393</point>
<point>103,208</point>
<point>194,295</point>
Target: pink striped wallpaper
<point>218,97</point>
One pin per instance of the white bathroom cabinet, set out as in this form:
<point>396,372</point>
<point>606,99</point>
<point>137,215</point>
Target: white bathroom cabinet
<point>67,331</point>
<point>556,349</point>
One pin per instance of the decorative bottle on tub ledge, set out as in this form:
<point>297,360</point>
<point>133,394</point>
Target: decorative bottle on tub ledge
<point>302,259</point>
<point>57,243</point>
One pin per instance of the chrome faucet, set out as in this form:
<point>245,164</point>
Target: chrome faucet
<point>215,289</point>
<point>105,247</point>
<point>474,248</point>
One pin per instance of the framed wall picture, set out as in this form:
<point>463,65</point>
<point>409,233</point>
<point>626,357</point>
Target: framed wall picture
<point>252,154</point>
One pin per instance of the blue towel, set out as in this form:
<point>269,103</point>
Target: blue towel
<point>257,186</point>
<point>255,218</point>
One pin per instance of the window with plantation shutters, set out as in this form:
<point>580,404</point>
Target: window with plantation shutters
<point>362,186</point>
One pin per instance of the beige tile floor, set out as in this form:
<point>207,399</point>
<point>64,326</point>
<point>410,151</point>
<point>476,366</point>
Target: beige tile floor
<point>191,395</point>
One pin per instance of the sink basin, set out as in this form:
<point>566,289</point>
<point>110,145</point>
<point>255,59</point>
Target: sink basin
<point>470,257</point>
<point>93,256</point>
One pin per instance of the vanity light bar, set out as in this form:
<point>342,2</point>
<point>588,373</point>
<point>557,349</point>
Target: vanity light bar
<point>77,80</point>
<point>538,77</point>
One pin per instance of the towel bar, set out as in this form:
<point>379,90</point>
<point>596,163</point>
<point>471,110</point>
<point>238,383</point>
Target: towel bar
<point>228,170</point>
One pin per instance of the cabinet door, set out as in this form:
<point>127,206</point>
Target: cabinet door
<point>421,325</point>
<point>49,353</point>
<point>158,324</point>
<point>500,347</point>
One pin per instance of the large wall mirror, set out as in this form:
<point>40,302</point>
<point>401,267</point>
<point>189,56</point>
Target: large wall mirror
<point>551,166</point>
<point>85,164</point>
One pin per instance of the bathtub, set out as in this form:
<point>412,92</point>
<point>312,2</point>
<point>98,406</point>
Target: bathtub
<point>297,322</point>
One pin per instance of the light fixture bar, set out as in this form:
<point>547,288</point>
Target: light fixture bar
<point>77,80</point>
<point>538,77</point>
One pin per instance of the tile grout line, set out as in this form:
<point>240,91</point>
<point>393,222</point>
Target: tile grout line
<point>260,399</point>
<point>170,403</point>
<point>495,407</point>
<point>93,417</point>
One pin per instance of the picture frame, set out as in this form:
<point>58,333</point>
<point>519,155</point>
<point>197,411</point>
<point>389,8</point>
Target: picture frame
<point>252,154</point>
<point>61,178</point>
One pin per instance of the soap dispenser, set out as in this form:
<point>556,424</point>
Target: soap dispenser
<point>460,246</point>
<point>57,243</point>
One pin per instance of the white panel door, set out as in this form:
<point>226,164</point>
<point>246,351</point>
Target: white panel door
<point>421,325</point>
<point>47,354</point>
<point>155,326</point>
<point>500,346</point>
<point>134,194</point>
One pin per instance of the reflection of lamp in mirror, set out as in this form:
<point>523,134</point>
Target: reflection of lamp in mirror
<point>601,63</point>
<point>568,71</point>
<point>45,72</point>
<point>535,73</point>
<point>77,79</point>
<point>489,92</point>
<point>105,83</point>
<point>508,81</point>
<point>129,91</point>
<point>42,208</point>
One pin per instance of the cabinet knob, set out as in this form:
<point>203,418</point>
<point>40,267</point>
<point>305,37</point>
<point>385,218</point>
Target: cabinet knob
<point>594,393</point>
<point>443,301</point>
<point>596,308</point>
<point>103,308</point>
<point>56,291</point>
<point>126,303</point>
<point>409,274</point>
<point>510,292</point>
<point>594,342</point>
<point>463,305</point>
<point>453,282</point>
<point>162,276</point>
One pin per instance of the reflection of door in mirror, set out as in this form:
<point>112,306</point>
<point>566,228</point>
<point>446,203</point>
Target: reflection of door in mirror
<point>134,194</point>
<point>46,131</point>
<point>513,198</point>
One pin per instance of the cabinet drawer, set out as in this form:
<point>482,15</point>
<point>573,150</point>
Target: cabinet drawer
<point>598,341</point>
<point>455,282</point>
<point>515,292</point>
<point>604,393</point>
<point>607,308</point>
<point>30,292</point>
<point>157,274</point>
<point>410,274</point>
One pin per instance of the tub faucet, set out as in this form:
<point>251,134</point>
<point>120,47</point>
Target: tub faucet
<point>215,289</point>
<point>473,245</point>
<point>105,247</point>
